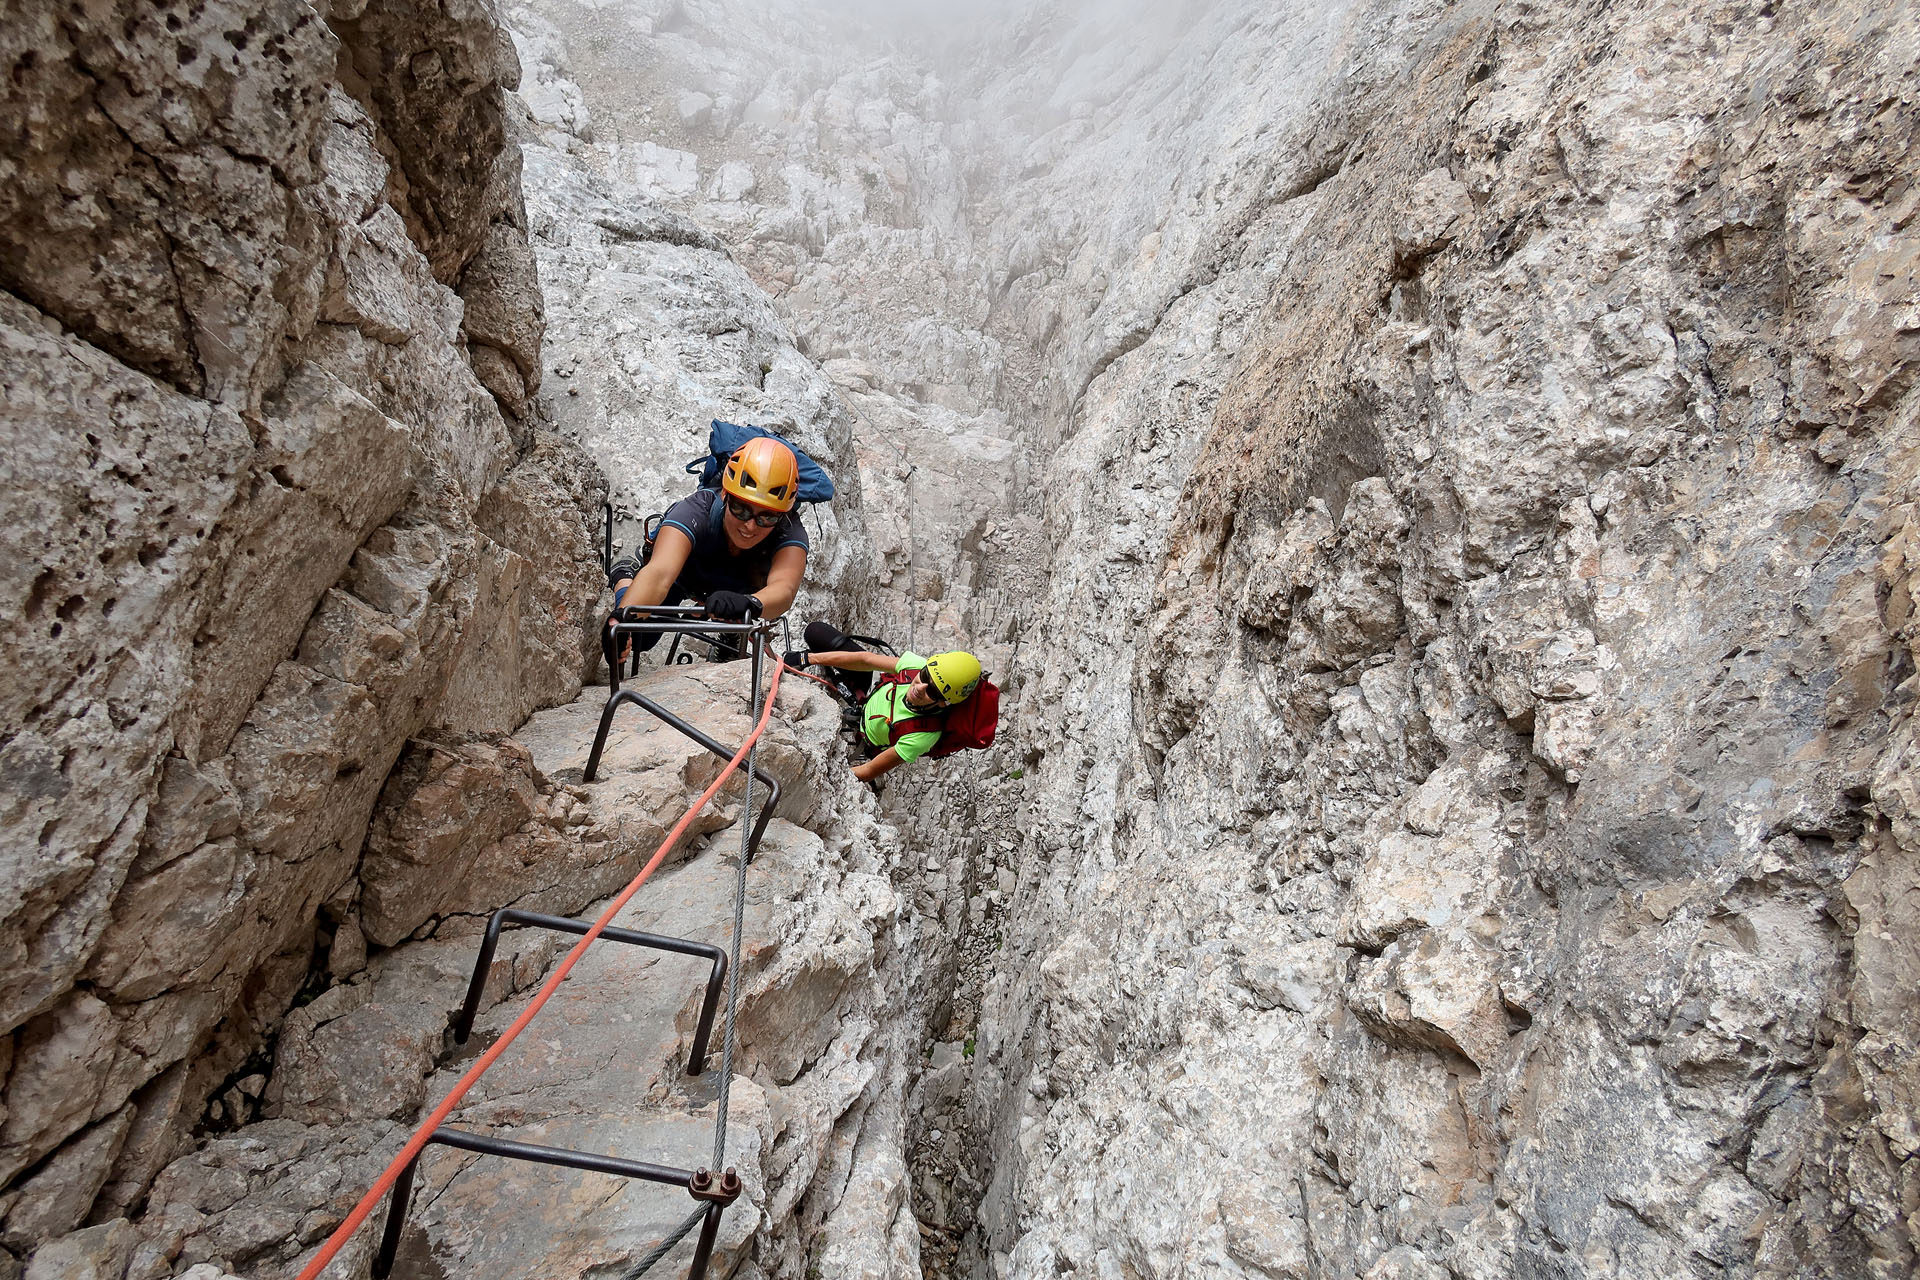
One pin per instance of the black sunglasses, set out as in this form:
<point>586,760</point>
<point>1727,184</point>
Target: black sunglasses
<point>747,513</point>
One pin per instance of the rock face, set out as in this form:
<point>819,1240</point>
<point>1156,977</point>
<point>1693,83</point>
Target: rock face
<point>1435,482</point>
<point>1451,567</point>
<point>815,1119</point>
<point>654,331</point>
<point>264,523</point>
<point>1514,701</point>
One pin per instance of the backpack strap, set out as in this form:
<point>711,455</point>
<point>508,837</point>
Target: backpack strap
<point>913,724</point>
<point>917,724</point>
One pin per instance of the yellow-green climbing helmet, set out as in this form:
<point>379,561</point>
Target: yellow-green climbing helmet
<point>953,675</point>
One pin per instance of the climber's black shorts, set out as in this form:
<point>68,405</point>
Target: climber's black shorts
<point>824,637</point>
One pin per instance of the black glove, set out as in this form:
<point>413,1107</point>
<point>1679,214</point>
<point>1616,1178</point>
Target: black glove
<point>732,606</point>
<point>795,658</point>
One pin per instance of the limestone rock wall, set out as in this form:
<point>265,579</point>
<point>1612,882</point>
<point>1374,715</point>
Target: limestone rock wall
<point>272,507</point>
<point>1505,773</point>
<point>655,329</point>
<point>1434,482</point>
<point>1449,568</point>
<point>826,165</point>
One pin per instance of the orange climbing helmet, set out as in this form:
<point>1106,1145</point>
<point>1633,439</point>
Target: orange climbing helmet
<point>763,471</point>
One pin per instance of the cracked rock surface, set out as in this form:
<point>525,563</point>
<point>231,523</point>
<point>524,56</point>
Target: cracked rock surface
<point>1448,562</point>
<point>268,516</point>
<point>1435,483</point>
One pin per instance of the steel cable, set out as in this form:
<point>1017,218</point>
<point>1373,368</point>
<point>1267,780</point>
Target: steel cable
<point>739,922</point>
<point>665,1247</point>
<point>415,1144</point>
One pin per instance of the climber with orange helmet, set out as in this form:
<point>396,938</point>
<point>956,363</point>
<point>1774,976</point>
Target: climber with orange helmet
<point>938,684</point>
<point>740,549</point>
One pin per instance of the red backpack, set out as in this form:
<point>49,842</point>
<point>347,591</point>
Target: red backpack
<point>966,727</point>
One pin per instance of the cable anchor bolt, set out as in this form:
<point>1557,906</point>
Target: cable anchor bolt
<point>723,1190</point>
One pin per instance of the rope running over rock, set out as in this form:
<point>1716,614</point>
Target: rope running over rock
<point>415,1144</point>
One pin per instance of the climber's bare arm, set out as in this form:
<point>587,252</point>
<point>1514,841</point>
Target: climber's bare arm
<point>856,660</point>
<point>783,581</point>
<point>887,760</point>
<point>670,551</point>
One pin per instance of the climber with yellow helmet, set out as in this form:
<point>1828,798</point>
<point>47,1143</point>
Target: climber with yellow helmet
<point>740,549</point>
<point>922,690</point>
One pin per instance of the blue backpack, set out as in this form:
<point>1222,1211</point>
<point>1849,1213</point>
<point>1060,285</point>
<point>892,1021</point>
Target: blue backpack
<point>815,484</point>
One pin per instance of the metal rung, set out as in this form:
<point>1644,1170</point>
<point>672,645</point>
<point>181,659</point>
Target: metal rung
<point>715,1193</point>
<point>681,621</point>
<point>700,1183</point>
<point>716,978</point>
<point>706,740</point>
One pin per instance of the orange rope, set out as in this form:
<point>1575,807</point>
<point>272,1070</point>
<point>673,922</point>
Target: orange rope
<point>828,685</point>
<point>418,1141</point>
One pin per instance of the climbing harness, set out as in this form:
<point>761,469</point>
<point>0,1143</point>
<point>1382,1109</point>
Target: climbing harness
<point>712,1193</point>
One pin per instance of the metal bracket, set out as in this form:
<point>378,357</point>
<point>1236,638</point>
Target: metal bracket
<point>722,1191</point>
<point>666,1175</point>
<point>716,978</point>
<point>715,1194</point>
<point>677,620</point>
<point>718,748</point>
